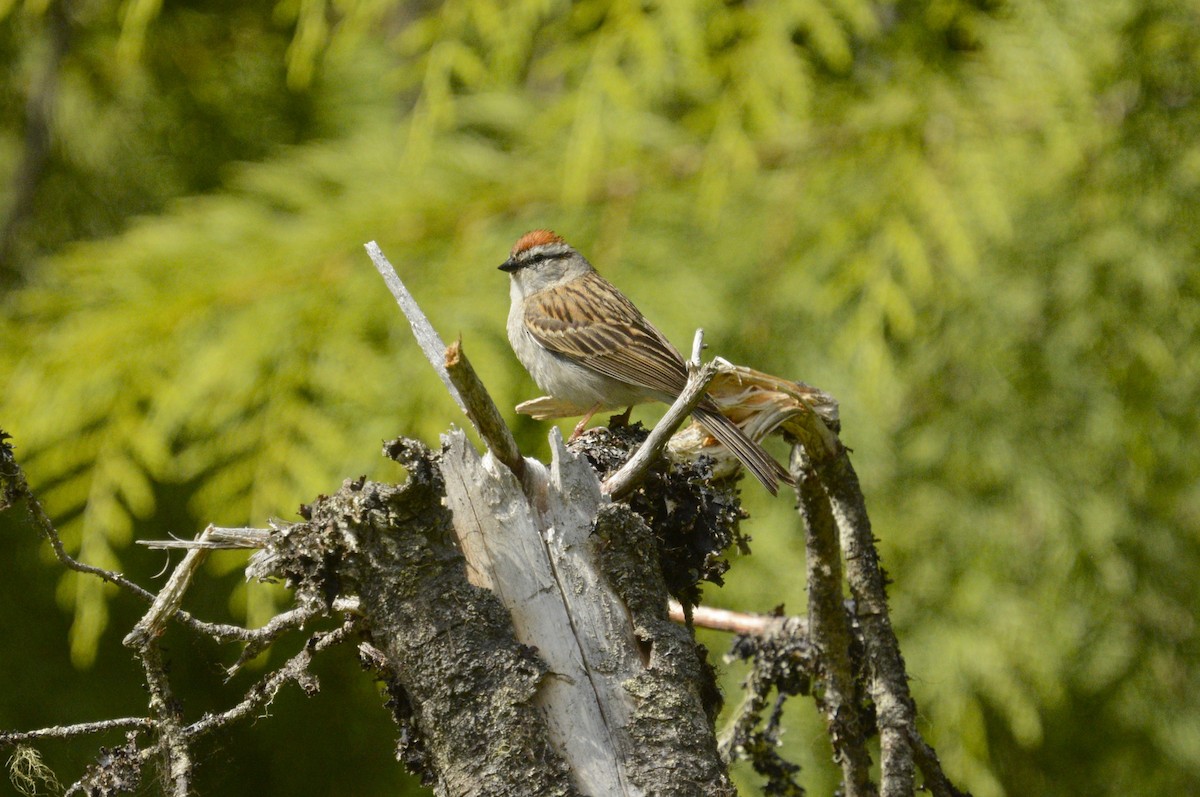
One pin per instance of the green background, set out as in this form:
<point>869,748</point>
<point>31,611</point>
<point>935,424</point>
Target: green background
<point>975,223</point>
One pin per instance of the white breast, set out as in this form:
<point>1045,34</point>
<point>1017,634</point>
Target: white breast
<point>561,377</point>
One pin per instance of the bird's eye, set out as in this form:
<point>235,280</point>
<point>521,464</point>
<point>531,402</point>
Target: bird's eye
<point>538,258</point>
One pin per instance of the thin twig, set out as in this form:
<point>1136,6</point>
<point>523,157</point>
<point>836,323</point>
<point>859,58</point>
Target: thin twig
<point>631,473</point>
<point>10,738</point>
<point>16,487</point>
<point>263,692</point>
<point>743,623</point>
<point>258,639</point>
<point>927,761</point>
<point>46,526</point>
<point>168,720</point>
<point>166,603</point>
<point>216,538</point>
<point>174,738</point>
<point>255,639</point>
<point>427,337</point>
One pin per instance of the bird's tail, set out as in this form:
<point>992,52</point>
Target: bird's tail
<point>749,453</point>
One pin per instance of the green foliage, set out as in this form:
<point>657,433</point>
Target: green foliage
<point>973,222</point>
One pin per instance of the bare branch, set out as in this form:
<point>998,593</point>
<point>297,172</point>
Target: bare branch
<point>259,639</point>
<point>263,692</point>
<point>255,639</point>
<point>15,487</point>
<point>830,633</point>
<point>174,738</point>
<point>889,681</point>
<point>214,538</point>
<point>631,473</point>
<point>166,604</point>
<point>927,761</point>
<point>9,738</point>
<point>427,337</point>
<point>900,741</point>
<point>482,410</point>
<point>744,623</point>
<point>168,720</point>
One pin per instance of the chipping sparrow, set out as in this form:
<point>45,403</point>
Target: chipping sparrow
<point>583,342</point>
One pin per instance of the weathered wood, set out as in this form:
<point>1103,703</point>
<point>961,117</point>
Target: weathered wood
<point>462,686</point>
<point>829,631</point>
<point>482,411</point>
<point>427,337</point>
<point>501,536</point>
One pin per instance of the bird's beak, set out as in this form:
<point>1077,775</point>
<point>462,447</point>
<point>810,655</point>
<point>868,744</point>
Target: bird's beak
<point>508,265</point>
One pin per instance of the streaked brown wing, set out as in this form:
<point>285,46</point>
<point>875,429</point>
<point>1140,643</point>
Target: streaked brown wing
<point>594,324</point>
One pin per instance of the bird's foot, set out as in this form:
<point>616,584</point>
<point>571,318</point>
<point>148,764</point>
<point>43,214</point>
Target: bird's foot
<point>579,427</point>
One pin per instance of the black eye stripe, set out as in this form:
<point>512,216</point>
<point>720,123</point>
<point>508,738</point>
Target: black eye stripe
<point>541,256</point>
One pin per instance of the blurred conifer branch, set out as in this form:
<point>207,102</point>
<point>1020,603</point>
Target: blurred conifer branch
<point>971,215</point>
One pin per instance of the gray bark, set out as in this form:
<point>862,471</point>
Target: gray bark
<point>525,627</point>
